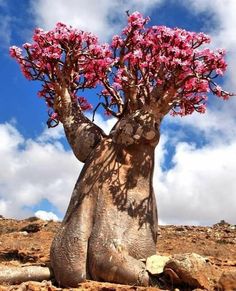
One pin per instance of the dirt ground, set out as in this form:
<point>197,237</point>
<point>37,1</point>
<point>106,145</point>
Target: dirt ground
<point>27,242</point>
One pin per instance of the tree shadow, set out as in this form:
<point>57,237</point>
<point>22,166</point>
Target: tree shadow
<point>122,169</point>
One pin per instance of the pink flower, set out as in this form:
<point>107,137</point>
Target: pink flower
<point>138,53</point>
<point>15,52</point>
<point>219,71</point>
<point>116,41</point>
<point>141,58</point>
<point>137,19</point>
<point>54,115</point>
<point>84,104</point>
<point>27,45</point>
<point>26,73</point>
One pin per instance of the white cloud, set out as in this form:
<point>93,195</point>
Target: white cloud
<point>44,215</point>
<point>51,135</point>
<point>221,23</point>
<point>106,125</point>
<point>33,170</point>
<point>201,186</point>
<point>102,17</point>
<point>217,125</point>
<point>5,30</point>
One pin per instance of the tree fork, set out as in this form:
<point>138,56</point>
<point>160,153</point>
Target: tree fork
<point>82,134</point>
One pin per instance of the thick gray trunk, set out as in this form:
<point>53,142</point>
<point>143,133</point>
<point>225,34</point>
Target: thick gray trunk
<point>111,221</point>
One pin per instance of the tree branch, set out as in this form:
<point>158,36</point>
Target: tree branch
<point>82,134</point>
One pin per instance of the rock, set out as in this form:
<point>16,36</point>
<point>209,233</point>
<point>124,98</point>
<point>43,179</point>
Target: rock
<point>33,227</point>
<point>222,223</point>
<point>32,219</point>
<point>227,281</point>
<point>180,228</point>
<point>155,264</point>
<point>34,286</point>
<point>23,233</point>
<point>188,269</point>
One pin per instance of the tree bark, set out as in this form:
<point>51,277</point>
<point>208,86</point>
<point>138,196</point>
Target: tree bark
<point>82,134</point>
<point>111,221</point>
<point>16,275</point>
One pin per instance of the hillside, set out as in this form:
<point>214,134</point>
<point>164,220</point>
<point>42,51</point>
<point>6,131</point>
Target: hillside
<point>27,242</point>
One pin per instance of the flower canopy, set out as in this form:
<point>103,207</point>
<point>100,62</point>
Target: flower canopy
<point>143,65</point>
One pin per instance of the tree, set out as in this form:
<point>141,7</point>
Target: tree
<point>144,74</point>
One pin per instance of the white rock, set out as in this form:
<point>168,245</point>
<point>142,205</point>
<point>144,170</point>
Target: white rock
<point>155,264</point>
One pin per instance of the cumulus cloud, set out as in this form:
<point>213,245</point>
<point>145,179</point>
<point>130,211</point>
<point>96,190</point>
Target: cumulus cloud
<point>217,125</point>
<point>34,170</point>
<point>5,30</point>
<point>200,188</point>
<point>46,215</point>
<point>221,25</point>
<point>102,17</point>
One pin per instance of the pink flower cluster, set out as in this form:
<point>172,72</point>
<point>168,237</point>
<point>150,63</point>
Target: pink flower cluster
<point>137,61</point>
<point>65,56</point>
<point>162,57</point>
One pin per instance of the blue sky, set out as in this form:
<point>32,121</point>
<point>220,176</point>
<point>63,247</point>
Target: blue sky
<point>196,159</point>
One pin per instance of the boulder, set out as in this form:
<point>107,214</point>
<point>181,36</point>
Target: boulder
<point>156,263</point>
<point>188,269</point>
<point>32,227</point>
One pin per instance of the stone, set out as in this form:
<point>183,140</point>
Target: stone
<point>180,228</point>
<point>188,269</point>
<point>23,233</point>
<point>33,227</point>
<point>227,281</point>
<point>33,219</point>
<point>155,264</point>
<point>34,286</point>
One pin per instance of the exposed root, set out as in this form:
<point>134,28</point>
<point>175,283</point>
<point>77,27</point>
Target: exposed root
<point>16,275</point>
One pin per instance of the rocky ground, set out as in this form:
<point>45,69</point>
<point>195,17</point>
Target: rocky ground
<point>27,242</point>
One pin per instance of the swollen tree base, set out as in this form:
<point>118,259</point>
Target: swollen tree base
<point>111,222</point>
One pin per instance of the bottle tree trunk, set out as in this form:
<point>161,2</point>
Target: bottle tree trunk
<point>111,222</point>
